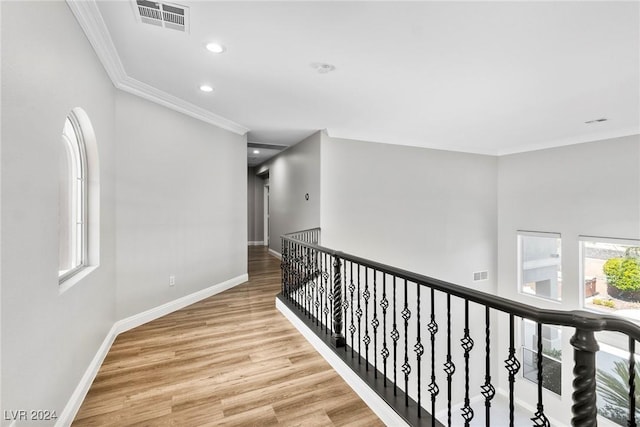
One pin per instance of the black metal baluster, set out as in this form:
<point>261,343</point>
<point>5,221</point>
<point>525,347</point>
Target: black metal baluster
<point>488,391</point>
<point>384,303</point>
<point>449,366</point>
<point>539,418</point>
<point>419,349</point>
<point>365,296</point>
<point>323,284</point>
<point>467,345</point>
<point>317,278</point>
<point>406,368</point>
<point>632,383</point>
<point>359,315</point>
<point>352,288</point>
<point>346,302</point>
<point>433,387</point>
<point>395,335</point>
<point>374,324</point>
<point>513,366</point>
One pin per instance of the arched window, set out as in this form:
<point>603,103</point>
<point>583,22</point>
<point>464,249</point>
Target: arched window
<point>73,200</point>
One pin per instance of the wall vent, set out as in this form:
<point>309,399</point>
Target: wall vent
<point>479,276</point>
<point>166,15</point>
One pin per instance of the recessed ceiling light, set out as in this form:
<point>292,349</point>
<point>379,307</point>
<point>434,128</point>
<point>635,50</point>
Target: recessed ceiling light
<point>256,151</point>
<point>206,88</point>
<point>603,119</point>
<point>214,47</point>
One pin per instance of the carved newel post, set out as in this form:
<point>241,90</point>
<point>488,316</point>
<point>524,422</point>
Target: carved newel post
<point>584,407</point>
<point>337,338</point>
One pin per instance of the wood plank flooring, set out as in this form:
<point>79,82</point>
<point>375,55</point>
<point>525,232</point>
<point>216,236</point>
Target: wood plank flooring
<point>231,359</point>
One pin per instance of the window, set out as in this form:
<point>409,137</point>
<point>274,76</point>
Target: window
<point>612,384</point>
<point>551,355</point>
<point>72,200</point>
<point>539,262</point>
<point>611,275</point>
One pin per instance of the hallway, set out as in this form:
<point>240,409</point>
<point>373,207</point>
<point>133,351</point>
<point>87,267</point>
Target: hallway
<point>231,359</point>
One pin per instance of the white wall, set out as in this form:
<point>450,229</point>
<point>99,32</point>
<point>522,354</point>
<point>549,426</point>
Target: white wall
<point>49,339</point>
<point>181,205</point>
<point>590,189</point>
<point>292,174</point>
<point>428,211</point>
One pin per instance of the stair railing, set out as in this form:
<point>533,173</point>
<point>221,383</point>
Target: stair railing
<point>392,326</point>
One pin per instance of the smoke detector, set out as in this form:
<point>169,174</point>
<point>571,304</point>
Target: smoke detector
<point>322,68</point>
<point>162,14</point>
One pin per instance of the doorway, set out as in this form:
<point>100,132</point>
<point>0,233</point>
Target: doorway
<point>266,214</point>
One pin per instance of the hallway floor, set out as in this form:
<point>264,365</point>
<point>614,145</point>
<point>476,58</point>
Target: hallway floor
<point>231,359</point>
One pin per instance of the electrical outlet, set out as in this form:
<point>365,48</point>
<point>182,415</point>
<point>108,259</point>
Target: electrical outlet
<point>172,280</point>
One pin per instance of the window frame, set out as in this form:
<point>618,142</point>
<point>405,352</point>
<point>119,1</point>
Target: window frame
<point>80,248</point>
<point>520,262</point>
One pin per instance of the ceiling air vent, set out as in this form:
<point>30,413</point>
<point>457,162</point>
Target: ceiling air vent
<point>167,15</point>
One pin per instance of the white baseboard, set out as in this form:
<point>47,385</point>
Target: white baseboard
<point>376,403</point>
<point>256,243</point>
<point>77,397</point>
<point>275,254</point>
<point>164,309</point>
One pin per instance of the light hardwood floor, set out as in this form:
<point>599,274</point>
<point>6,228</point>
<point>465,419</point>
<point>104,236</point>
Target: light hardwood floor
<point>231,359</point>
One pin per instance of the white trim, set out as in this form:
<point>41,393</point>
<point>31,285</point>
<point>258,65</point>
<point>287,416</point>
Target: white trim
<point>275,254</point>
<point>611,240</point>
<point>90,19</point>
<point>77,397</point>
<point>370,397</point>
<point>256,243</point>
<point>136,320</point>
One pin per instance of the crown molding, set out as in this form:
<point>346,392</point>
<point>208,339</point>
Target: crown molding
<point>90,19</point>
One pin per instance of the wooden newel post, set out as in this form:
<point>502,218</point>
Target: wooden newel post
<point>584,407</point>
<point>337,338</point>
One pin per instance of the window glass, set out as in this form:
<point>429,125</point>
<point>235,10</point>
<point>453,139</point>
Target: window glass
<point>539,263</point>
<point>551,355</point>
<point>611,275</point>
<point>612,385</point>
<point>72,193</point>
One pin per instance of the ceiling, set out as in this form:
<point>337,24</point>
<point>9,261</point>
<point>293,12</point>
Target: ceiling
<point>480,77</point>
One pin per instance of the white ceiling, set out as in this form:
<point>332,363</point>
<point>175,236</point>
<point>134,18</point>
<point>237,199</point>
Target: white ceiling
<point>482,77</point>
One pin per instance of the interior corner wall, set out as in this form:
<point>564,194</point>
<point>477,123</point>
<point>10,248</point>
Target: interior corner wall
<point>293,174</point>
<point>49,339</point>
<point>590,189</point>
<point>181,205</point>
<point>423,210</point>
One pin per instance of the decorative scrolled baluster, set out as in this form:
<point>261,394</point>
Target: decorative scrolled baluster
<point>467,346</point>
<point>539,418</point>
<point>359,316</point>
<point>384,303</point>
<point>433,386</point>
<point>419,349</point>
<point>487,389</point>
<point>406,367</point>
<point>352,288</point>
<point>366,295</point>
<point>449,366</point>
<point>513,366</point>
<point>584,407</point>
<point>395,335</point>
<point>374,324</point>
